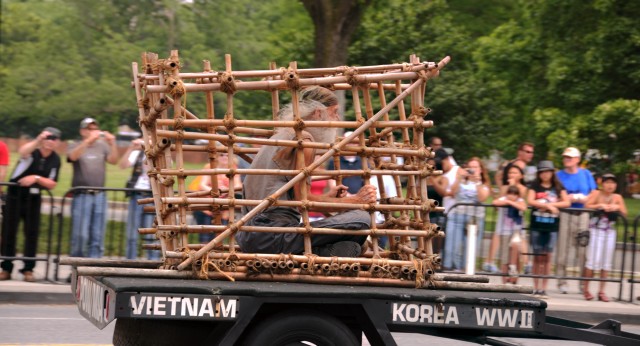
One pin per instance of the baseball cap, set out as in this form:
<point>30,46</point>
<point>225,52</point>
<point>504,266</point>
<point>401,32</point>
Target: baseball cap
<point>609,176</point>
<point>54,131</point>
<point>545,165</point>
<point>571,152</point>
<point>86,121</point>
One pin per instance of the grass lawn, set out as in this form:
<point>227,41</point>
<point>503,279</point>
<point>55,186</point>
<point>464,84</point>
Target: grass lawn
<point>633,209</point>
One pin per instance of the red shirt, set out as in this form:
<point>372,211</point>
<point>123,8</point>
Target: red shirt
<point>317,188</point>
<point>4,154</point>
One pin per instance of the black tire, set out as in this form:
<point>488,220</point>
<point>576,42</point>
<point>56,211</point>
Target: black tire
<point>293,327</point>
<point>140,332</point>
<point>127,333</point>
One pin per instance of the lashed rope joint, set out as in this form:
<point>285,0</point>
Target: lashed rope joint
<point>292,79</point>
<point>227,82</point>
<point>175,86</point>
<point>351,73</point>
<point>300,125</point>
<point>229,122</point>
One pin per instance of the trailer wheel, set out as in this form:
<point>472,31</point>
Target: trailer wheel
<point>127,332</point>
<point>140,332</point>
<point>295,327</point>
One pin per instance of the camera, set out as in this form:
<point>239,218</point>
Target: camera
<point>470,171</point>
<point>101,134</point>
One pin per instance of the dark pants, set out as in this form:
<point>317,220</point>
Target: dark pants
<point>294,242</point>
<point>204,219</point>
<point>26,207</point>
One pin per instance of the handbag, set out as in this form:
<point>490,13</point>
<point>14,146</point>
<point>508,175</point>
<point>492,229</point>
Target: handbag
<point>583,237</point>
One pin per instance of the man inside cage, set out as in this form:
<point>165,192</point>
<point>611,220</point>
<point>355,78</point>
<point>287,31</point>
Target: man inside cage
<point>316,104</point>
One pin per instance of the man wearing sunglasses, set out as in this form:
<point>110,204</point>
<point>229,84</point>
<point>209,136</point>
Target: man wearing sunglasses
<point>525,155</point>
<point>37,169</point>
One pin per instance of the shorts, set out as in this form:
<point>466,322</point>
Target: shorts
<point>505,246</point>
<point>543,242</point>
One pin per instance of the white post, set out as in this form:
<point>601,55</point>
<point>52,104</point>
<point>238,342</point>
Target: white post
<point>472,233</point>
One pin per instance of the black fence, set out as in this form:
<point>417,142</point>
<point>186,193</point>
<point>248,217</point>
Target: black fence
<point>55,219</point>
<point>574,241</point>
<point>633,239</point>
<point>103,215</point>
<point>58,218</point>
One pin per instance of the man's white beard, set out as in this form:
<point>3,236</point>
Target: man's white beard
<point>323,134</point>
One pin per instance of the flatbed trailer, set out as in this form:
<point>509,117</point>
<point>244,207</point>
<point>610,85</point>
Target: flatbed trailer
<point>156,311</point>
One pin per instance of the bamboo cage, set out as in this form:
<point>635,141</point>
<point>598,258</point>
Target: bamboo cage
<point>385,133</point>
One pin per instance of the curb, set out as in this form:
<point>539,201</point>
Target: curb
<point>36,298</point>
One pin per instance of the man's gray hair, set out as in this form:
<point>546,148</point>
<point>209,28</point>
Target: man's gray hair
<point>306,109</point>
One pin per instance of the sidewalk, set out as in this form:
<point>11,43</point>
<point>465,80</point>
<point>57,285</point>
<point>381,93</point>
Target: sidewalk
<point>570,306</point>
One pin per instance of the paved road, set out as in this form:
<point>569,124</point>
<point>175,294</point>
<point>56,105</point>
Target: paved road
<point>63,325</point>
<point>49,324</point>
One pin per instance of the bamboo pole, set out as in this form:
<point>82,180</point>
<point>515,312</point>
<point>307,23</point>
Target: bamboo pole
<point>179,116</point>
<point>341,86</point>
<point>268,85</point>
<point>159,273</point>
<point>230,150</point>
<point>273,72</point>
<point>275,103</point>
<point>204,123</point>
<point>104,262</point>
<point>148,137</point>
<point>422,153</point>
<point>211,148</point>
<point>299,230</point>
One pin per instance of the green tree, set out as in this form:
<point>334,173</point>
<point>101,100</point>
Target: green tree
<point>391,31</point>
<point>559,54</point>
<point>612,128</point>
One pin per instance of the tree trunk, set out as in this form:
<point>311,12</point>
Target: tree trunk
<point>335,21</point>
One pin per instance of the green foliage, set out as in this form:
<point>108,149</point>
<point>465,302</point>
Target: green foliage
<point>613,129</point>
<point>459,100</point>
<point>553,72</point>
<point>63,60</point>
<point>555,63</point>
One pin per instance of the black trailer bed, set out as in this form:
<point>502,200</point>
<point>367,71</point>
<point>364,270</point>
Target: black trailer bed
<point>154,305</point>
<point>378,310</point>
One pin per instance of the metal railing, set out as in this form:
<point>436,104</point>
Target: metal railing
<point>624,256</point>
<point>113,242</point>
<point>58,211</point>
<point>19,206</point>
<point>634,247</point>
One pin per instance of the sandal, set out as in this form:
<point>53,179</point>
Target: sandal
<point>603,297</point>
<point>589,296</point>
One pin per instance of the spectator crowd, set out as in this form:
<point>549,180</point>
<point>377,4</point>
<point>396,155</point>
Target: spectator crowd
<point>571,218</point>
<point>562,223</point>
